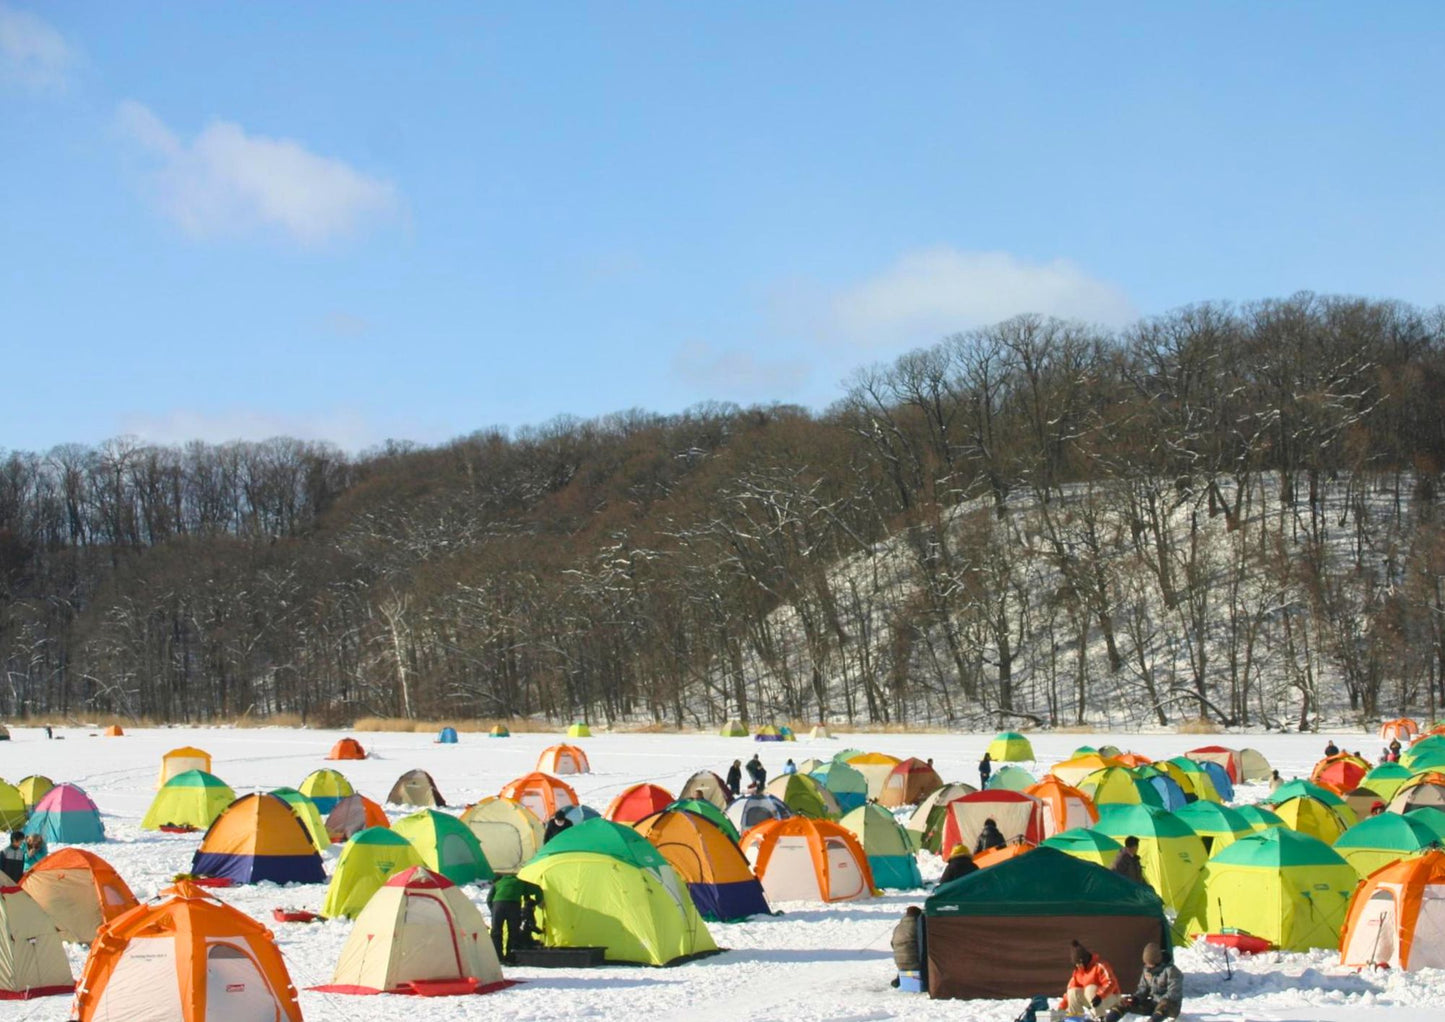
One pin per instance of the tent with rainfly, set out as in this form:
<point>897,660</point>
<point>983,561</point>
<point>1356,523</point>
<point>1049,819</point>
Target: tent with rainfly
<point>1169,851</point>
<point>188,801</point>
<point>325,788</point>
<point>1397,916</point>
<point>79,891</point>
<point>66,815</point>
<point>604,885</point>
<point>446,846</point>
<point>999,932</point>
<point>508,832</point>
<point>33,963</point>
<point>722,886</point>
<point>259,838</point>
<point>190,958</point>
<point>886,844</point>
<point>1283,887</point>
<point>799,859</point>
<point>418,934</point>
<point>1010,747</point>
<point>178,761</point>
<point>369,859</point>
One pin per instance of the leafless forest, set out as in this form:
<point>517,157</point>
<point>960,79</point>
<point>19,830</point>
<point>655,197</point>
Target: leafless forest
<point>1230,512</point>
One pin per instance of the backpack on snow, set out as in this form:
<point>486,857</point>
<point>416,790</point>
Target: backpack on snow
<point>1032,1009</point>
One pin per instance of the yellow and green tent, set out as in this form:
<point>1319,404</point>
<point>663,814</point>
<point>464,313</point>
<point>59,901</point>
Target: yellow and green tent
<point>1119,785</point>
<point>1377,841</point>
<point>191,800</point>
<point>1217,826</point>
<point>1084,843</point>
<point>1010,747</point>
<point>579,730</point>
<point>1385,779</point>
<point>1072,771</point>
<point>310,815</point>
<point>804,796</point>
<point>1196,780</point>
<point>1315,817</point>
<point>446,845</point>
<point>1260,818</point>
<point>1171,853</point>
<point>33,788</point>
<point>1288,888</point>
<point>368,860</point>
<point>325,788</point>
<point>12,807</point>
<point>734,729</point>
<point>1011,778</point>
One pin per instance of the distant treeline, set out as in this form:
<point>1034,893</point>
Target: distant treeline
<point>1228,512</point>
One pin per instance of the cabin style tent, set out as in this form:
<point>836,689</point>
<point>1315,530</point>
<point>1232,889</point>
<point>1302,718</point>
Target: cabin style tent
<point>799,859</point>
<point>415,788</point>
<point>32,789</point>
<point>1029,907</point>
<point>707,785</point>
<point>846,784</point>
<point>508,832</point>
<point>560,760</point>
<point>259,838</point>
<point>353,814</point>
<point>178,761</point>
<point>1284,887</point>
<point>79,891</point>
<point>750,810</point>
<point>369,859</point>
<point>190,958</point>
<point>579,730</point>
<point>188,801</point>
<point>347,748</point>
<point>722,886</point>
<point>33,963</point>
<point>604,885</point>
<point>804,796</point>
<point>66,815</point>
<point>325,788</point>
<point>418,934</point>
<point>1010,747</point>
<point>543,794</point>
<point>1065,808</point>
<point>1397,916</point>
<point>887,846</point>
<point>734,729</point>
<point>446,846</point>
<point>637,803</point>
<point>447,736</point>
<point>1019,818</point>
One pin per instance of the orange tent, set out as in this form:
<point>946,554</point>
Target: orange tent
<point>347,748</point>
<point>113,731</point>
<point>1065,807</point>
<point>1402,728</point>
<point>79,890</point>
<point>1397,916</point>
<point>1133,759</point>
<point>637,803</point>
<point>994,856</point>
<point>541,793</point>
<point>259,837</point>
<point>909,783</point>
<point>1340,773</point>
<point>189,959</point>
<point>352,814</point>
<point>799,859</point>
<point>563,759</point>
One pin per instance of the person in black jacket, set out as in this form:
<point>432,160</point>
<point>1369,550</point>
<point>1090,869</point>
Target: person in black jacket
<point>1127,863</point>
<point>989,837</point>
<point>735,779</point>
<point>12,859</point>
<point>1331,749</point>
<point>960,864</point>
<point>985,769</point>
<point>556,825</point>
<point>757,773</point>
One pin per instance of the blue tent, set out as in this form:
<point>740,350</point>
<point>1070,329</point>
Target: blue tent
<point>581,814</point>
<point>448,736</point>
<point>1220,777</point>
<point>1169,791</point>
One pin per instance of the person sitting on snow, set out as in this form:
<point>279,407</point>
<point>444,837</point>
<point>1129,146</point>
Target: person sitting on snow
<point>905,942</point>
<point>1093,986</point>
<point>960,864</point>
<point>1161,990</point>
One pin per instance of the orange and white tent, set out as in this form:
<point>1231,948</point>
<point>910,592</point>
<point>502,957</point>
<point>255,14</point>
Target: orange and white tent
<point>1402,728</point>
<point>1397,916</point>
<point>79,891</point>
<point>178,761</point>
<point>190,958</point>
<point>541,793</point>
<point>1065,807</point>
<point>1224,756</point>
<point>799,859</point>
<point>563,759</point>
<point>417,934</point>
<point>347,748</point>
<point>33,962</point>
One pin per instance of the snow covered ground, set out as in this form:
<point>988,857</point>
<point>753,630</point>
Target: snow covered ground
<point>812,962</point>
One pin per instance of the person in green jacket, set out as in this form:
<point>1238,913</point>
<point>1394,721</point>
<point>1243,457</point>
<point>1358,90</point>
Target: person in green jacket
<point>513,903</point>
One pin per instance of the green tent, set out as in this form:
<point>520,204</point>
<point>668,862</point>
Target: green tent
<point>1423,748</point>
<point>1296,788</point>
<point>1171,853</point>
<point>734,729</point>
<point>1218,826</point>
<point>1427,759</point>
<point>846,754</point>
<point>887,846</point>
<point>999,932</point>
<point>310,815</point>
<point>1259,817</point>
<point>1011,778</point>
<point>1379,840</point>
<point>925,825</point>
<point>446,846</point>
<point>1385,779</point>
<point>368,860</point>
<point>1431,816</point>
<point>1088,845</point>
<point>804,796</point>
<point>702,807</point>
<point>603,837</point>
<point>846,782</point>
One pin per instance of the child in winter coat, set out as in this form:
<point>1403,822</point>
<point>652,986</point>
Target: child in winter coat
<point>1093,987</point>
<point>1161,990</point>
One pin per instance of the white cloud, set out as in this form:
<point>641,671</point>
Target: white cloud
<point>226,182</point>
<point>32,54</point>
<point>736,373</point>
<point>933,292</point>
<point>347,429</point>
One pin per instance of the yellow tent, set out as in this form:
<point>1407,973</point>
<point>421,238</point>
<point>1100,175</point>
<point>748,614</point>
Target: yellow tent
<point>369,859</point>
<point>1171,853</point>
<point>875,767</point>
<point>1318,819</point>
<point>1072,771</point>
<point>1010,747</point>
<point>178,761</point>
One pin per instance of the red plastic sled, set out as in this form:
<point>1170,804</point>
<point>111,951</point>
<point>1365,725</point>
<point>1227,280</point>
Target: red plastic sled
<point>1244,943</point>
<point>293,915</point>
<point>213,882</point>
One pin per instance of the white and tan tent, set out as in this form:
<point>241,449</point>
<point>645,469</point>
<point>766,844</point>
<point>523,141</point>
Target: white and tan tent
<point>508,832</point>
<point>560,760</point>
<point>178,761</point>
<point>33,962</point>
<point>418,933</point>
<point>79,891</point>
<point>820,731</point>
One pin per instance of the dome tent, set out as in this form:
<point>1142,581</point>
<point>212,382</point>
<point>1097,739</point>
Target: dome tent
<point>446,846</point>
<point>259,838</point>
<point>369,859</point>
<point>542,793</point>
<point>188,801</point>
<point>325,788</point>
<point>66,815</point>
<point>1171,853</point>
<point>1397,916</point>
<point>804,796</point>
<point>1088,845</point>
<point>708,785</point>
<point>1010,747</point>
<point>579,730</point>
<point>637,803</point>
<point>925,825</point>
<point>845,783</point>
<point>733,729</point>
<point>508,832</point>
<point>447,736</point>
<point>750,810</point>
<point>722,886</point>
<point>887,846</point>
<point>347,748</point>
<point>707,811</point>
<point>1377,841</point>
<point>32,789</point>
<point>499,731</point>
<point>34,962</point>
<point>178,761</point>
<point>353,814</point>
<point>306,810</point>
<point>415,788</point>
<point>799,859</point>
<point>560,760</point>
<point>79,891</point>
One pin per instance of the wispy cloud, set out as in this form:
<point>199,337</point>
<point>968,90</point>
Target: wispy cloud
<point>737,374</point>
<point>933,292</point>
<point>33,55</point>
<point>346,324</point>
<point>349,430</point>
<point>228,182</point>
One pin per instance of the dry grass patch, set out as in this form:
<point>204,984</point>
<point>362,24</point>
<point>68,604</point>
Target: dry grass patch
<point>1197,726</point>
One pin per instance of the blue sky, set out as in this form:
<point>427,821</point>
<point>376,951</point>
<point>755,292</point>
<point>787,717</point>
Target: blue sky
<point>357,221</point>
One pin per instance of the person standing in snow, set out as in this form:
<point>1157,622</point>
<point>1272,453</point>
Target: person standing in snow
<point>556,825</point>
<point>735,779</point>
<point>12,859</point>
<point>985,769</point>
<point>1127,863</point>
<point>757,773</point>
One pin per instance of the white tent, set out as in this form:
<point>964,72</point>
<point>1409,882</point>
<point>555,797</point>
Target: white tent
<point>33,961</point>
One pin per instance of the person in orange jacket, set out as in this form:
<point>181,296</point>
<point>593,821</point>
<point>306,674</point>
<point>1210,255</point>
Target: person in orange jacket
<point>1093,987</point>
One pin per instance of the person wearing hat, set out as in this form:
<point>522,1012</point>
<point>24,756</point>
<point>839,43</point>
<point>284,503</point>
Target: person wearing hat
<point>1161,990</point>
<point>556,825</point>
<point>905,942</point>
<point>12,859</point>
<point>1093,986</point>
<point>960,864</point>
